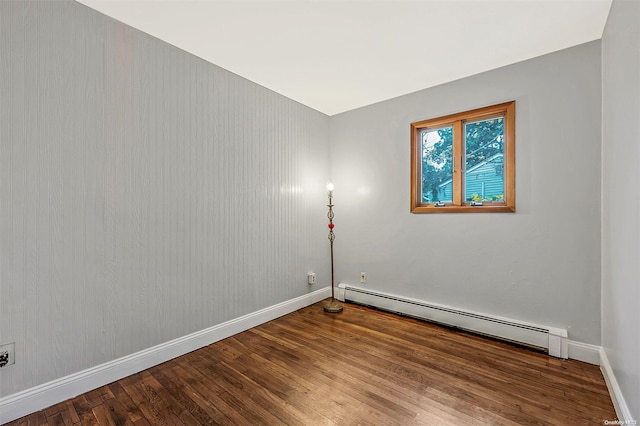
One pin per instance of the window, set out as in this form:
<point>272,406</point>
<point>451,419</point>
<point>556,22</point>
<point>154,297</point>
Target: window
<point>464,162</point>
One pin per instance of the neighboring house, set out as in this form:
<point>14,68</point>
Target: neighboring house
<point>485,179</point>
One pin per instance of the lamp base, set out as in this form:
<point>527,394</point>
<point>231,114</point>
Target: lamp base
<point>333,306</point>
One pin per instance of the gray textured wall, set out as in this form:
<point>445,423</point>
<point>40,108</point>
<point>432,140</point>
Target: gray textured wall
<point>621,198</point>
<point>145,194</point>
<point>541,264</point>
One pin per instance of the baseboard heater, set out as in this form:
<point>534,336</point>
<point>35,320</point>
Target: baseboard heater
<point>552,340</point>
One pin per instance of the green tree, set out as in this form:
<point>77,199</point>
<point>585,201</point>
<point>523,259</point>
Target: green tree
<point>483,140</point>
<point>437,166</point>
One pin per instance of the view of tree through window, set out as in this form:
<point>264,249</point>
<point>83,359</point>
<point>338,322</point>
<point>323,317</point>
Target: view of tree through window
<point>483,162</point>
<point>460,160</point>
<point>437,163</point>
<point>484,180</point>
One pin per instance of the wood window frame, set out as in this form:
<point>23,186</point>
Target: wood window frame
<point>459,205</point>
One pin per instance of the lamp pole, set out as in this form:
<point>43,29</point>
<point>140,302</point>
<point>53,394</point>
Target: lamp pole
<point>333,306</point>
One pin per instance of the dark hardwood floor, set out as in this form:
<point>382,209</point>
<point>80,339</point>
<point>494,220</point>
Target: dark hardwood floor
<point>358,367</point>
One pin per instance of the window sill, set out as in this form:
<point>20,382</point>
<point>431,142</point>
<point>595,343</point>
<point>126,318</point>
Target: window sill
<point>487,208</point>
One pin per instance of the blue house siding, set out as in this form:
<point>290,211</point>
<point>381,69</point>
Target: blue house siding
<point>485,179</point>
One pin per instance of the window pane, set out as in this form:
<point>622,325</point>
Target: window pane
<point>484,152</point>
<point>437,170</point>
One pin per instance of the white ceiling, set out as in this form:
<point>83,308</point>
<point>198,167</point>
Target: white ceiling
<point>337,55</point>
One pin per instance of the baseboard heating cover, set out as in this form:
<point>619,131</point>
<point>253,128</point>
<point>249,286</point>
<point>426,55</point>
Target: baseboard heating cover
<point>553,340</point>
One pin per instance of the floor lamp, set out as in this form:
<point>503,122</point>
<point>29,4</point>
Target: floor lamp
<point>333,306</point>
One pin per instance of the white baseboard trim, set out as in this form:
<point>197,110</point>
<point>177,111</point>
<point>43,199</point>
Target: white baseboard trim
<point>619,403</point>
<point>584,352</point>
<point>37,398</point>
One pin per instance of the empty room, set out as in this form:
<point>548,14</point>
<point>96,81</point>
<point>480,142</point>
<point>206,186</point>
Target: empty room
<point>319,212</point>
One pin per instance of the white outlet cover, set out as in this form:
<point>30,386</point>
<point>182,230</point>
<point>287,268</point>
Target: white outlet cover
<point>11,349</point>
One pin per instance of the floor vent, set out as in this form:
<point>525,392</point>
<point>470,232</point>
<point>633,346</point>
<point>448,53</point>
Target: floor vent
<point>552,340</point>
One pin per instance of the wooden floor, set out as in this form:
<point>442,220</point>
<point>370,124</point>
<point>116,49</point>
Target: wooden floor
<point>358,367</point>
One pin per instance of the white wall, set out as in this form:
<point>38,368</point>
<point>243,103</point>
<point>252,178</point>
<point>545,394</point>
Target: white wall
<point>144,194</point>
<point>621,198</point>
<point>541,264</point>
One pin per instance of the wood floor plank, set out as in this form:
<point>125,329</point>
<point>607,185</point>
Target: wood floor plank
<point>219,399</point>
<point>473,373</point>
<point>358,367</point>
<point>144,396</point>
<point>373,374</point>
<point>295,388</point>
<point>206,400</point>
<point>355,386</point>
<point>98,396</point>
<point>66,411</point>
<point>181,395</point>
<point>320,380</point>
<point>112,413</point>
<point>239,393</point>
<point>132,411</point>
<point>408,372</point>
<point>267,394</point>
<point>84,410</point>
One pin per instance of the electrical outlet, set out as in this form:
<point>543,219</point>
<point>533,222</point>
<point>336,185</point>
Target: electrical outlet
<point>311,278</point>
<point>7,354</point>
<point>363,277</point>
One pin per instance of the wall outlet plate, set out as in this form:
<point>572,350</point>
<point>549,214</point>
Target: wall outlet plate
<point>7,354</point>
<point>311,278</point>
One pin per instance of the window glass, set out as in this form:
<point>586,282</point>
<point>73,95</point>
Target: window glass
<point>437,164</point>
<point>484,165</point>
